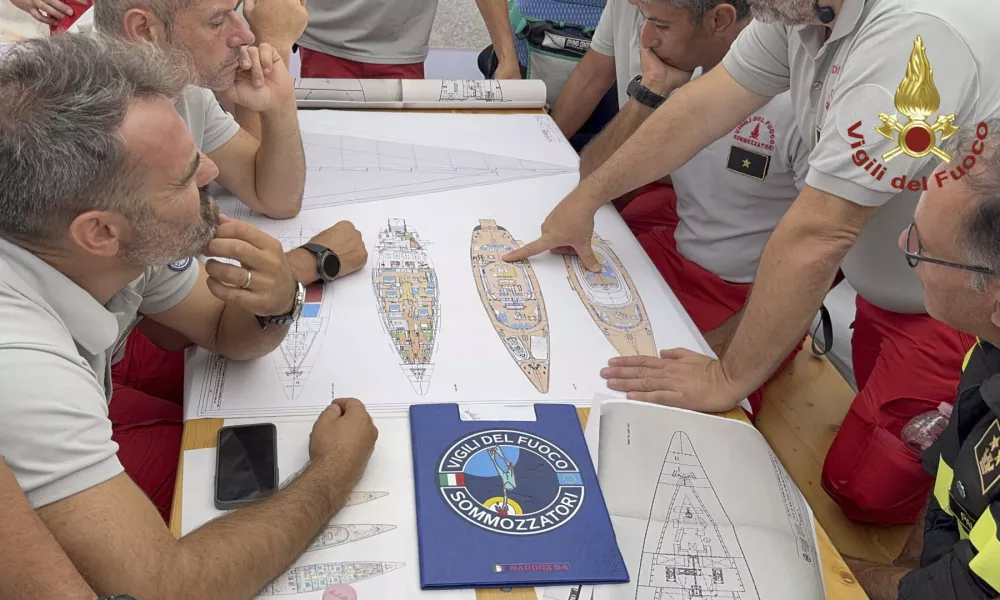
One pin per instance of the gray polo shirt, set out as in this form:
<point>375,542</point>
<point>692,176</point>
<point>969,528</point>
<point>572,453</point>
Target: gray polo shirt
<point>56,347</point>
<point>391,32</point>
<point>852,77</point>
<point>210,126</point>
<point>731,195</point>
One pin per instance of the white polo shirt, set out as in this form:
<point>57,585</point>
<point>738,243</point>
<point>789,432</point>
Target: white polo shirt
<point>840,86</point>
<point>57,345</point>
<point>731,195</point>
<point>210,126</point>
<point>388,32</point>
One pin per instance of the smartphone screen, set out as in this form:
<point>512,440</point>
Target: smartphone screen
<point>247,463</point>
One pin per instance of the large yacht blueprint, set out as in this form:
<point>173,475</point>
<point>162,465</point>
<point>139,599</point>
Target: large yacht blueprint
<point>513,301</point>
<point>612,301</point>
<point>316,578</point>
<point>336,535</point>
<point>406,294</point>
<point>690,550</point>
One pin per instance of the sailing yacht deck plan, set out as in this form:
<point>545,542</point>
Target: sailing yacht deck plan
<point>513,301</point>
<point>361,497</point>
<point>406,295</point>
<point>316,578</point>
<point>690,549</point>
<point>336,535</point>
<point>612,301</point>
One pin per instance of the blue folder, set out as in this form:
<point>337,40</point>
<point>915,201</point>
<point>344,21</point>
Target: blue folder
<point>509,503</point>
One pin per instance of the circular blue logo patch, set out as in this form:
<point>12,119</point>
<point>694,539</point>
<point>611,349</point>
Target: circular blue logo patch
<point>180,264</point>
<point>510,482</point>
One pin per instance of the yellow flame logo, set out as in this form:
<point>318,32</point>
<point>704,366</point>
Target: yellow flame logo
<point>917,98</point>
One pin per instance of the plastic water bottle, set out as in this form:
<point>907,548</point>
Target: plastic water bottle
<point>923,430</point>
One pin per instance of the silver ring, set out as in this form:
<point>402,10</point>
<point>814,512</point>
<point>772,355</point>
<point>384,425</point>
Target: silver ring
<point>246,285</point>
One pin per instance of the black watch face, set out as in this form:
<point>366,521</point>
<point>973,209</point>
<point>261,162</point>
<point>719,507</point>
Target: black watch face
<point>331,265</point>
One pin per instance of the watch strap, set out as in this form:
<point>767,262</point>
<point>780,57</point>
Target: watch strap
<point>643,95</point>
<point>298,302</point>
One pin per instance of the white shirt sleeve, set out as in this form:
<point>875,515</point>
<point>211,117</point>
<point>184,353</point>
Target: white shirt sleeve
<point>166,286</point>
<point>758,59</point>
<point>603,41</point>
<point>54,428</point>
<point>867,87</point>
<point>220,126</point>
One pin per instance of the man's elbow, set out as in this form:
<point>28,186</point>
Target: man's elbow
<point>281,209</point>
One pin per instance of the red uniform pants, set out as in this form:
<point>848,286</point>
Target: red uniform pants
<point>707,298</point>
<point>147,417</point>
<point>905,365</point>
<point>319,65</point>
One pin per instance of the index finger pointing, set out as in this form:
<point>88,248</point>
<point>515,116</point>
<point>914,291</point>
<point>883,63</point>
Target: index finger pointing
<point>536,247</point>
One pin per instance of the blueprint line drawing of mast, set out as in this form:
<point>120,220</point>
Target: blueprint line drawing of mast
<point>513,301</point>
<point>690,550</point>
<point>406,294</point>
<point>316,578</point>
<point>612,301</point>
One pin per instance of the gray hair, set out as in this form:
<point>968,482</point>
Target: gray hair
<point>697,9</point>
<point>109,15</point>
<point>64,99</point>
<point>979,235</point>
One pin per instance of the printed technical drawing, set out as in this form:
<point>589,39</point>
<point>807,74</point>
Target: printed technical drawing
<point>336,535</point>
<point>344,170</point>
<point>690,549</point>
<point>406,295</point>
<point>488,90</point>
<point>612,301</point>
<point>513,301</point>
<point>361,497</point>
<point>316,578</point>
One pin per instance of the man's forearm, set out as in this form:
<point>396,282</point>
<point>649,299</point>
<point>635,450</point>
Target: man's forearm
<point>696,115</point>
<point>281,161</point>
<point>720,337</point>
<point>267,536</point>
<point>497,19</point>
<point>880,582</point>
<point>621,128</point>
<point>240,336</point>
<point>582,92</point>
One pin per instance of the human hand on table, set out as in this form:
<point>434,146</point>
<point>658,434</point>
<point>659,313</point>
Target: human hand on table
<point>678,377</point>
<point>262,80</point>
<point>569,229</point>
<point>343,439</point>
<point>262,283</point>
<point>346,242</point>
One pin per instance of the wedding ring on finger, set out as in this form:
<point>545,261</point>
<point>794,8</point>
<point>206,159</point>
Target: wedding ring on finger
<point>246,284</point>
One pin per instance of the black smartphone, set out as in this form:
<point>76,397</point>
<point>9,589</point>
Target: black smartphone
<point>246,466</point>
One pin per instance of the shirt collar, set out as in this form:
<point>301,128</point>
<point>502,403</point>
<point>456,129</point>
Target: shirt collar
<point>91,324</point>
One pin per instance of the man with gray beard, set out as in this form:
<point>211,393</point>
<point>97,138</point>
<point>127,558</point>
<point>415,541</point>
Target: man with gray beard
<point>101,213</point>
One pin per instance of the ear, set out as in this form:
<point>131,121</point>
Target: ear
<point>140,24</point>
<point>720,19</point>
<point>100,233</point>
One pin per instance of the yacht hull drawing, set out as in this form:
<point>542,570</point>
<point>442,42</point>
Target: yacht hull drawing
<point>362,497</point>
<point>513,301</point>
<point>338,535</point>
<point>690,550</point>
<point>406,295</point>
<point>316,578</point>
<point>612,301</point>
<point>296,356</point>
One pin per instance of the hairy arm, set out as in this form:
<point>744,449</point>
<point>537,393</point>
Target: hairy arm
<point>32,564</point>
<point>497,19</point>
<point>621,128</point>
<point>582,92</point>
<point>696,115</point>
<point>119,542</point>
<point>796,270</point>
<point>268,174</point>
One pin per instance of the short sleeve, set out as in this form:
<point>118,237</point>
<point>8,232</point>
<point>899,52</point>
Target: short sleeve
<point>166,286</point>
<point>852,159</point>
<point>758,58</point>
<point>603,41</point>
<point>220,126</point>
<point>794,149</point>
<point>54,428</point>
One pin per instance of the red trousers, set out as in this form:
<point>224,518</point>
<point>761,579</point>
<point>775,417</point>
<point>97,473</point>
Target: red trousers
<point>323,66</point>
<point>708,299</point>
<point>147,417</point>
<point>905,365</point>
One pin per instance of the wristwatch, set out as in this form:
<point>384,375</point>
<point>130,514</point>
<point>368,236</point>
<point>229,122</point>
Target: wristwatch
<point>297,303</point>
<point>327,262</point>
<point>643,95</point>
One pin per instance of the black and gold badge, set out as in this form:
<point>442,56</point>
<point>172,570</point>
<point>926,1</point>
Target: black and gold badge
<point>988,456</point>
<point>747,162</point>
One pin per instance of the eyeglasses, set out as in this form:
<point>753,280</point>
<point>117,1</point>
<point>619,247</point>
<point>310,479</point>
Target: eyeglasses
<point>913,254</point>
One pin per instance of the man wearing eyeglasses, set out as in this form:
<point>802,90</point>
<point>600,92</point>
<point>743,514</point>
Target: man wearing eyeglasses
<point>953,246</point>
